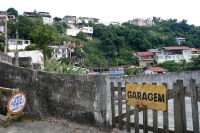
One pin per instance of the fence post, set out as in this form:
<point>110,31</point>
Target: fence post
<point>128,119</point>
<point>113,104</point>
<point>136,118</point>
<point>182,111</point>
<point>165,114</point>
<point>128,116</point>
<point>195,116</point>
<point>145,119</point>
<point>120,105</point>
<point>155,119</point>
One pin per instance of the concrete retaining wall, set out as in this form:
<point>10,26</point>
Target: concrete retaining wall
<point>168,78</point>
<point>80,98</point>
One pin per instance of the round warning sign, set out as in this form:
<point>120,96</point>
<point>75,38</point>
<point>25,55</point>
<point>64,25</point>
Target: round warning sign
<point>16,103</point>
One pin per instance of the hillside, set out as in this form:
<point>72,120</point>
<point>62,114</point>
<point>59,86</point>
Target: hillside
<point>111,45</point>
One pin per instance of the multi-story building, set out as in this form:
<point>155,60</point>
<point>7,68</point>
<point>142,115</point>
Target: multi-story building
<point>3,15</point>
<point>46,17</point>
<point>180,39</point>
<point>115,23</point>
<point>11,17</point>
<point>63,51</point>
<point>74,31</point>
<point>173,53</point>
<point>195,52</point>
<point>69,19</point>
<point>146,59</point>
<point>28,14</point>
<point>142,22</point>
<point>88,19</point>
<point>21,44</point>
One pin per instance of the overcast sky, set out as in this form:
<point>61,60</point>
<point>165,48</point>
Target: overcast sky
<point>112,10</point>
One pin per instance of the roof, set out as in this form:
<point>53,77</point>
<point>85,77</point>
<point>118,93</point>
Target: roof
<point>145,54</point>
<point>157,69</point>
<point>150,59</point>
<point>180,38</point>
<point>176,48</point>
<point>72,45</point>
<point>194,50</point>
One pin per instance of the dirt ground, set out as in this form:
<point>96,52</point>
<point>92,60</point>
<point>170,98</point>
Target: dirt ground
<point>50,125</point>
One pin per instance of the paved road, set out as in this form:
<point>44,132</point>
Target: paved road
<point>50,126</point>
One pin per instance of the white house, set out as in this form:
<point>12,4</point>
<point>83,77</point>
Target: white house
<point>173,53</point>
<point>115,23</point>
<point>87,30</point>
<point>21,44</point>
<point>63,51</point>
<point>47,20</point>
<point>69,19</point>
<point>155,70</point>
<point>72,32</point>
<point>36,55</point>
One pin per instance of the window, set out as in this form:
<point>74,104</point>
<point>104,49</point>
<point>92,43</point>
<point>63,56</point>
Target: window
<point>26,42</point>
<point>19,42</point>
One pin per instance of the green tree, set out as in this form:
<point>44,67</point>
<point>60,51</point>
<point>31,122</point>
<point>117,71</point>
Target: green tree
<point>57,19</point>
<point>132,71</point>
<point>12,11</point>
<point>43,37</point>
<point>81,36</point>
<point>171,66</point>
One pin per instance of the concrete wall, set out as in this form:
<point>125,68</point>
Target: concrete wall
<point>80,98</point>
<point>5,58</point>
<point>168,78</point>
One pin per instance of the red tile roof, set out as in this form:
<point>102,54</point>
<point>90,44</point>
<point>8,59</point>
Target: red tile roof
<point>157,69</point>
<point>176,48</point>
<point>72,45</point>
<point>145,54</point>
<point>194,50</point>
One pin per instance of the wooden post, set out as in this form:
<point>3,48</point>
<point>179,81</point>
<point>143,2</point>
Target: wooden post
<point>177,109</point>
<point>112,90</point>
<point>155,119</point>
<point>136,117</point>
<point>194,100</point>
<point>183,125</point>
<point>145,121</point>
<point>165,115</point>
<point>128,116</point>
<point>120,105</point>
<point>128,119</point>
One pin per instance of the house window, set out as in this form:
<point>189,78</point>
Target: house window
<point>64,55</point>
<point>19,42</point>
<point>56,51</point>
<point>26,42</point>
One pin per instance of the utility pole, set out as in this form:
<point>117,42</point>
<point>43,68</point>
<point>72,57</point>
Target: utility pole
<point>16,51</point>
<point>5,35</point>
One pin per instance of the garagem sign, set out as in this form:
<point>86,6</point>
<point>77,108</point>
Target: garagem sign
<point>16,103</point>
<point>146,96</point>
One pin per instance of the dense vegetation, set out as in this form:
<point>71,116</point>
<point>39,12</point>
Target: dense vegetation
<point>111,45</point>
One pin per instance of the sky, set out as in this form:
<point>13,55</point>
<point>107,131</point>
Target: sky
<point>112,10</point>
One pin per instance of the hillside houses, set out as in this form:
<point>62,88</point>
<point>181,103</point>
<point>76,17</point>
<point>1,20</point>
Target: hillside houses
<point>142,22</point>
<point>171,53</point>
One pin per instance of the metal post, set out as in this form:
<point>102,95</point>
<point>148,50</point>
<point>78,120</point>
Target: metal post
<point>5,35</point>
<point>16,51</point>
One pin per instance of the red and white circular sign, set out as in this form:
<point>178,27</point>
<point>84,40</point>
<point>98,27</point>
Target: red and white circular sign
<point>16,103</point>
